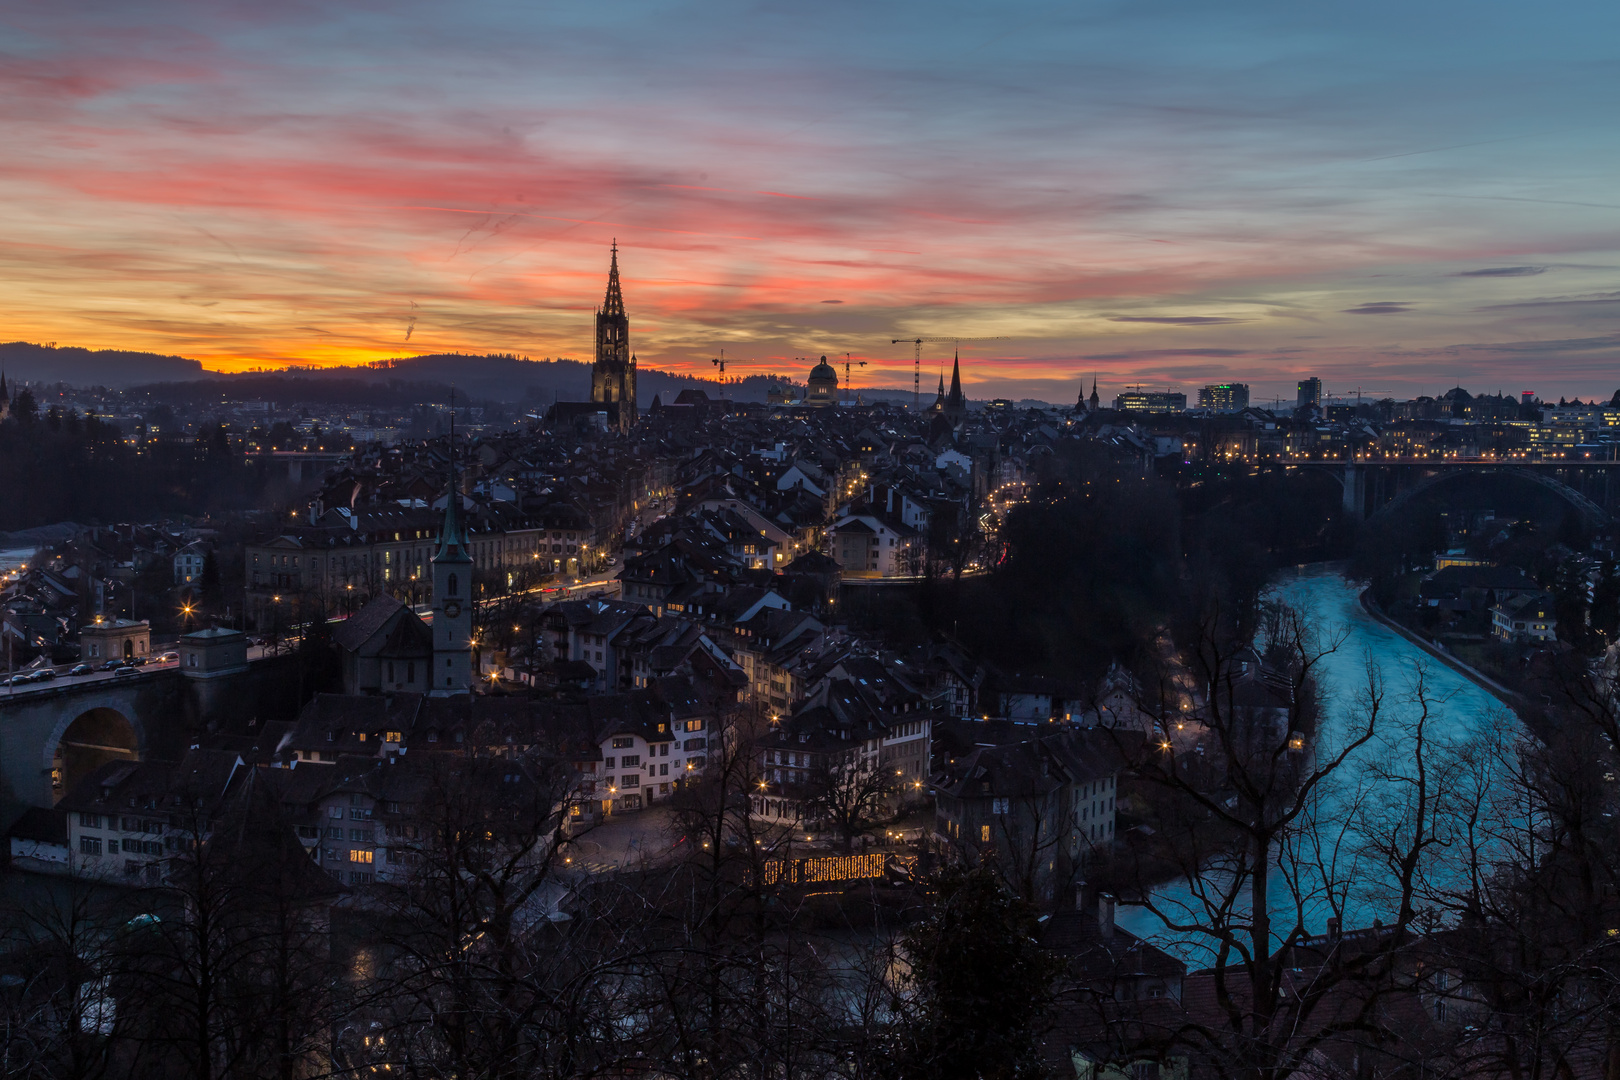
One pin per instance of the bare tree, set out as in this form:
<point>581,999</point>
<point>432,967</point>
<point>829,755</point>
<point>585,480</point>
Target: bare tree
<point>1527,974</point>
<point>58,1006</point>
<point>1257,861</point>
<point>849,796</point>
<point>468,974</point>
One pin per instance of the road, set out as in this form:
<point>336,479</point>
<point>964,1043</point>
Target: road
<point>63,678</point>
<point>255,652</point>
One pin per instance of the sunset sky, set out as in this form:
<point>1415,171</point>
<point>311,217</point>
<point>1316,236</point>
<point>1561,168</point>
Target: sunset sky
<point>1395,196</point>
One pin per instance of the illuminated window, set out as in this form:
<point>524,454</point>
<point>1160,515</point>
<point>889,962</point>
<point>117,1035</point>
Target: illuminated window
<point>984,834</point>
<point>358,856</point>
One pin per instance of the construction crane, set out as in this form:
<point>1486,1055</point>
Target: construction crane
<point>847,363</point>
<point>721,362</point>
<point>916,360</point>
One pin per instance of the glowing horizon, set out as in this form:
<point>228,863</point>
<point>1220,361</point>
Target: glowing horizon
<point>1166,195</point>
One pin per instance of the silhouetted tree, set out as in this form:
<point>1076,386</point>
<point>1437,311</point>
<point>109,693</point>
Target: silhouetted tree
<point>23,408</point>
<point>848,798</point>
<point>213,593</point>
<point>978,987</point>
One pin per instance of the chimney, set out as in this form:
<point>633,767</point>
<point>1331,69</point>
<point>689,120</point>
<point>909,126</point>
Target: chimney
<point>1079,896</point>
<point>1105,916</point>
<point>1333,928</point>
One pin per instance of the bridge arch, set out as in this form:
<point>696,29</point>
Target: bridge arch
<point>86,739</point>
<point>1591,512</point>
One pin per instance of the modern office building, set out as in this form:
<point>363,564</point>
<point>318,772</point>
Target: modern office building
<point>1224,397</point>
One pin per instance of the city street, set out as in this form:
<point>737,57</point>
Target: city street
<point>627,840</point>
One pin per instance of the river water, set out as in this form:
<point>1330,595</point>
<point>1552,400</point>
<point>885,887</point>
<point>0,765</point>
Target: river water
<point>1458,710</point>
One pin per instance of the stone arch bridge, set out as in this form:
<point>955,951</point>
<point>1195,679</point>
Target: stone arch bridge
<point>1375,489</point>
<point>54,734</point>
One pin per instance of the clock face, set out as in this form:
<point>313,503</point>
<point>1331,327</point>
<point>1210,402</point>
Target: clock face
<point>452,610</point>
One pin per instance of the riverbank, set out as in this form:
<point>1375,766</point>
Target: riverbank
<point>1511,698</point>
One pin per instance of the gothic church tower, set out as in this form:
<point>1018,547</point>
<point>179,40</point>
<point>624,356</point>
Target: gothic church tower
<point>613,375</point>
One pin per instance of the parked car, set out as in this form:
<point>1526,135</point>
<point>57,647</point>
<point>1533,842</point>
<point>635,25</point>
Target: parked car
<point>45,675</point>
<point>81,669</point>
<point>139,661</point>
<point>169,658</point>
<point>128,671</point>
<point>112,665</point>
<point>16,680</point>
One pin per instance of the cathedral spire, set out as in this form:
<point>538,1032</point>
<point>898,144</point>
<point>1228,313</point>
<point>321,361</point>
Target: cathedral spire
<point>613,304</point>
<point>955,409</point>
<point>613,375</point>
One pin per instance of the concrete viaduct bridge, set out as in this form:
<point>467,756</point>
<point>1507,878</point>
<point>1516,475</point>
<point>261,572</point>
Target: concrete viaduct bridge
<point>54,734</point>
<point>1374,488</point>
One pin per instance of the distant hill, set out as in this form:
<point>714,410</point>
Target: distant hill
<point>503,378</point>
<point>116,368</point>
<point>493,378</point>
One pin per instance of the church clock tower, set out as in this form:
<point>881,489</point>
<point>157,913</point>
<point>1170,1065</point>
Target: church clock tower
<point>452,597</point>
<point>613,375</point>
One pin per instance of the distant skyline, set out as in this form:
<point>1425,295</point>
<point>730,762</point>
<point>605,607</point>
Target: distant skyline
<point>1392,196</point>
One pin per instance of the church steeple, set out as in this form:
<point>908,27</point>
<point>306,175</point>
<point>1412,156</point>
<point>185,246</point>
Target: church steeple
<point>613,375</point>
<point>1095,401</point>
<point>453,534</point>
<point>613,303</point>
<point>955,406</point>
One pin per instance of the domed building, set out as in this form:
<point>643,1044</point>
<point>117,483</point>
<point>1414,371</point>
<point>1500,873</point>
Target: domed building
<point>823,385</point>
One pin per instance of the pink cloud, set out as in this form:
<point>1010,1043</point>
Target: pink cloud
<point>215,178</point>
